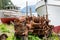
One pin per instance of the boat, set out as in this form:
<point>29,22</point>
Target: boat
<point>8,9</point>
<point>53,9</point>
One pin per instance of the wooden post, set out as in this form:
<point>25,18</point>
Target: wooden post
<point>47,16</point>
<point>26,8</point>
<point>30,12</point>
<point>46,9</point>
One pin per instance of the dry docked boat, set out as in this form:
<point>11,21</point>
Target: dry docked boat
<point>53,9</point>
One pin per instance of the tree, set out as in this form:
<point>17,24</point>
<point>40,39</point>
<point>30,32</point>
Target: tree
<point>4,3</point>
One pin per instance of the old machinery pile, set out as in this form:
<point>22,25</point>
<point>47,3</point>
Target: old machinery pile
<point>36,25</point>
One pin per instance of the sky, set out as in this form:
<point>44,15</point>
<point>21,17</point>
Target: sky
<point>31,3</point>
<point>22,3</point>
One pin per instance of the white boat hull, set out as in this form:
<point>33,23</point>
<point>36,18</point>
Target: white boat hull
<point>53,11</point>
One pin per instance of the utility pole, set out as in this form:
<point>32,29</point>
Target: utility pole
<point>30,12</point>
<point>26,8</point>
<point>46,9</point>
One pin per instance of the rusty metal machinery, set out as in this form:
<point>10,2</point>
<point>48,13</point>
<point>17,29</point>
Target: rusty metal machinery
<point>39,26</point>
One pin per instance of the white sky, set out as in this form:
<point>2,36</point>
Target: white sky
<point>22,3</point>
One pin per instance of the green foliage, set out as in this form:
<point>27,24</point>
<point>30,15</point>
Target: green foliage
<point>5,29</point>
<point>33,37</point>
<point>54,37</point>
<point>4,3</point>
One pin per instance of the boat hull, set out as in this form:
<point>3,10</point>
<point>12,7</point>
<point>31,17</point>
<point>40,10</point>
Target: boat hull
<point>53,9</point>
